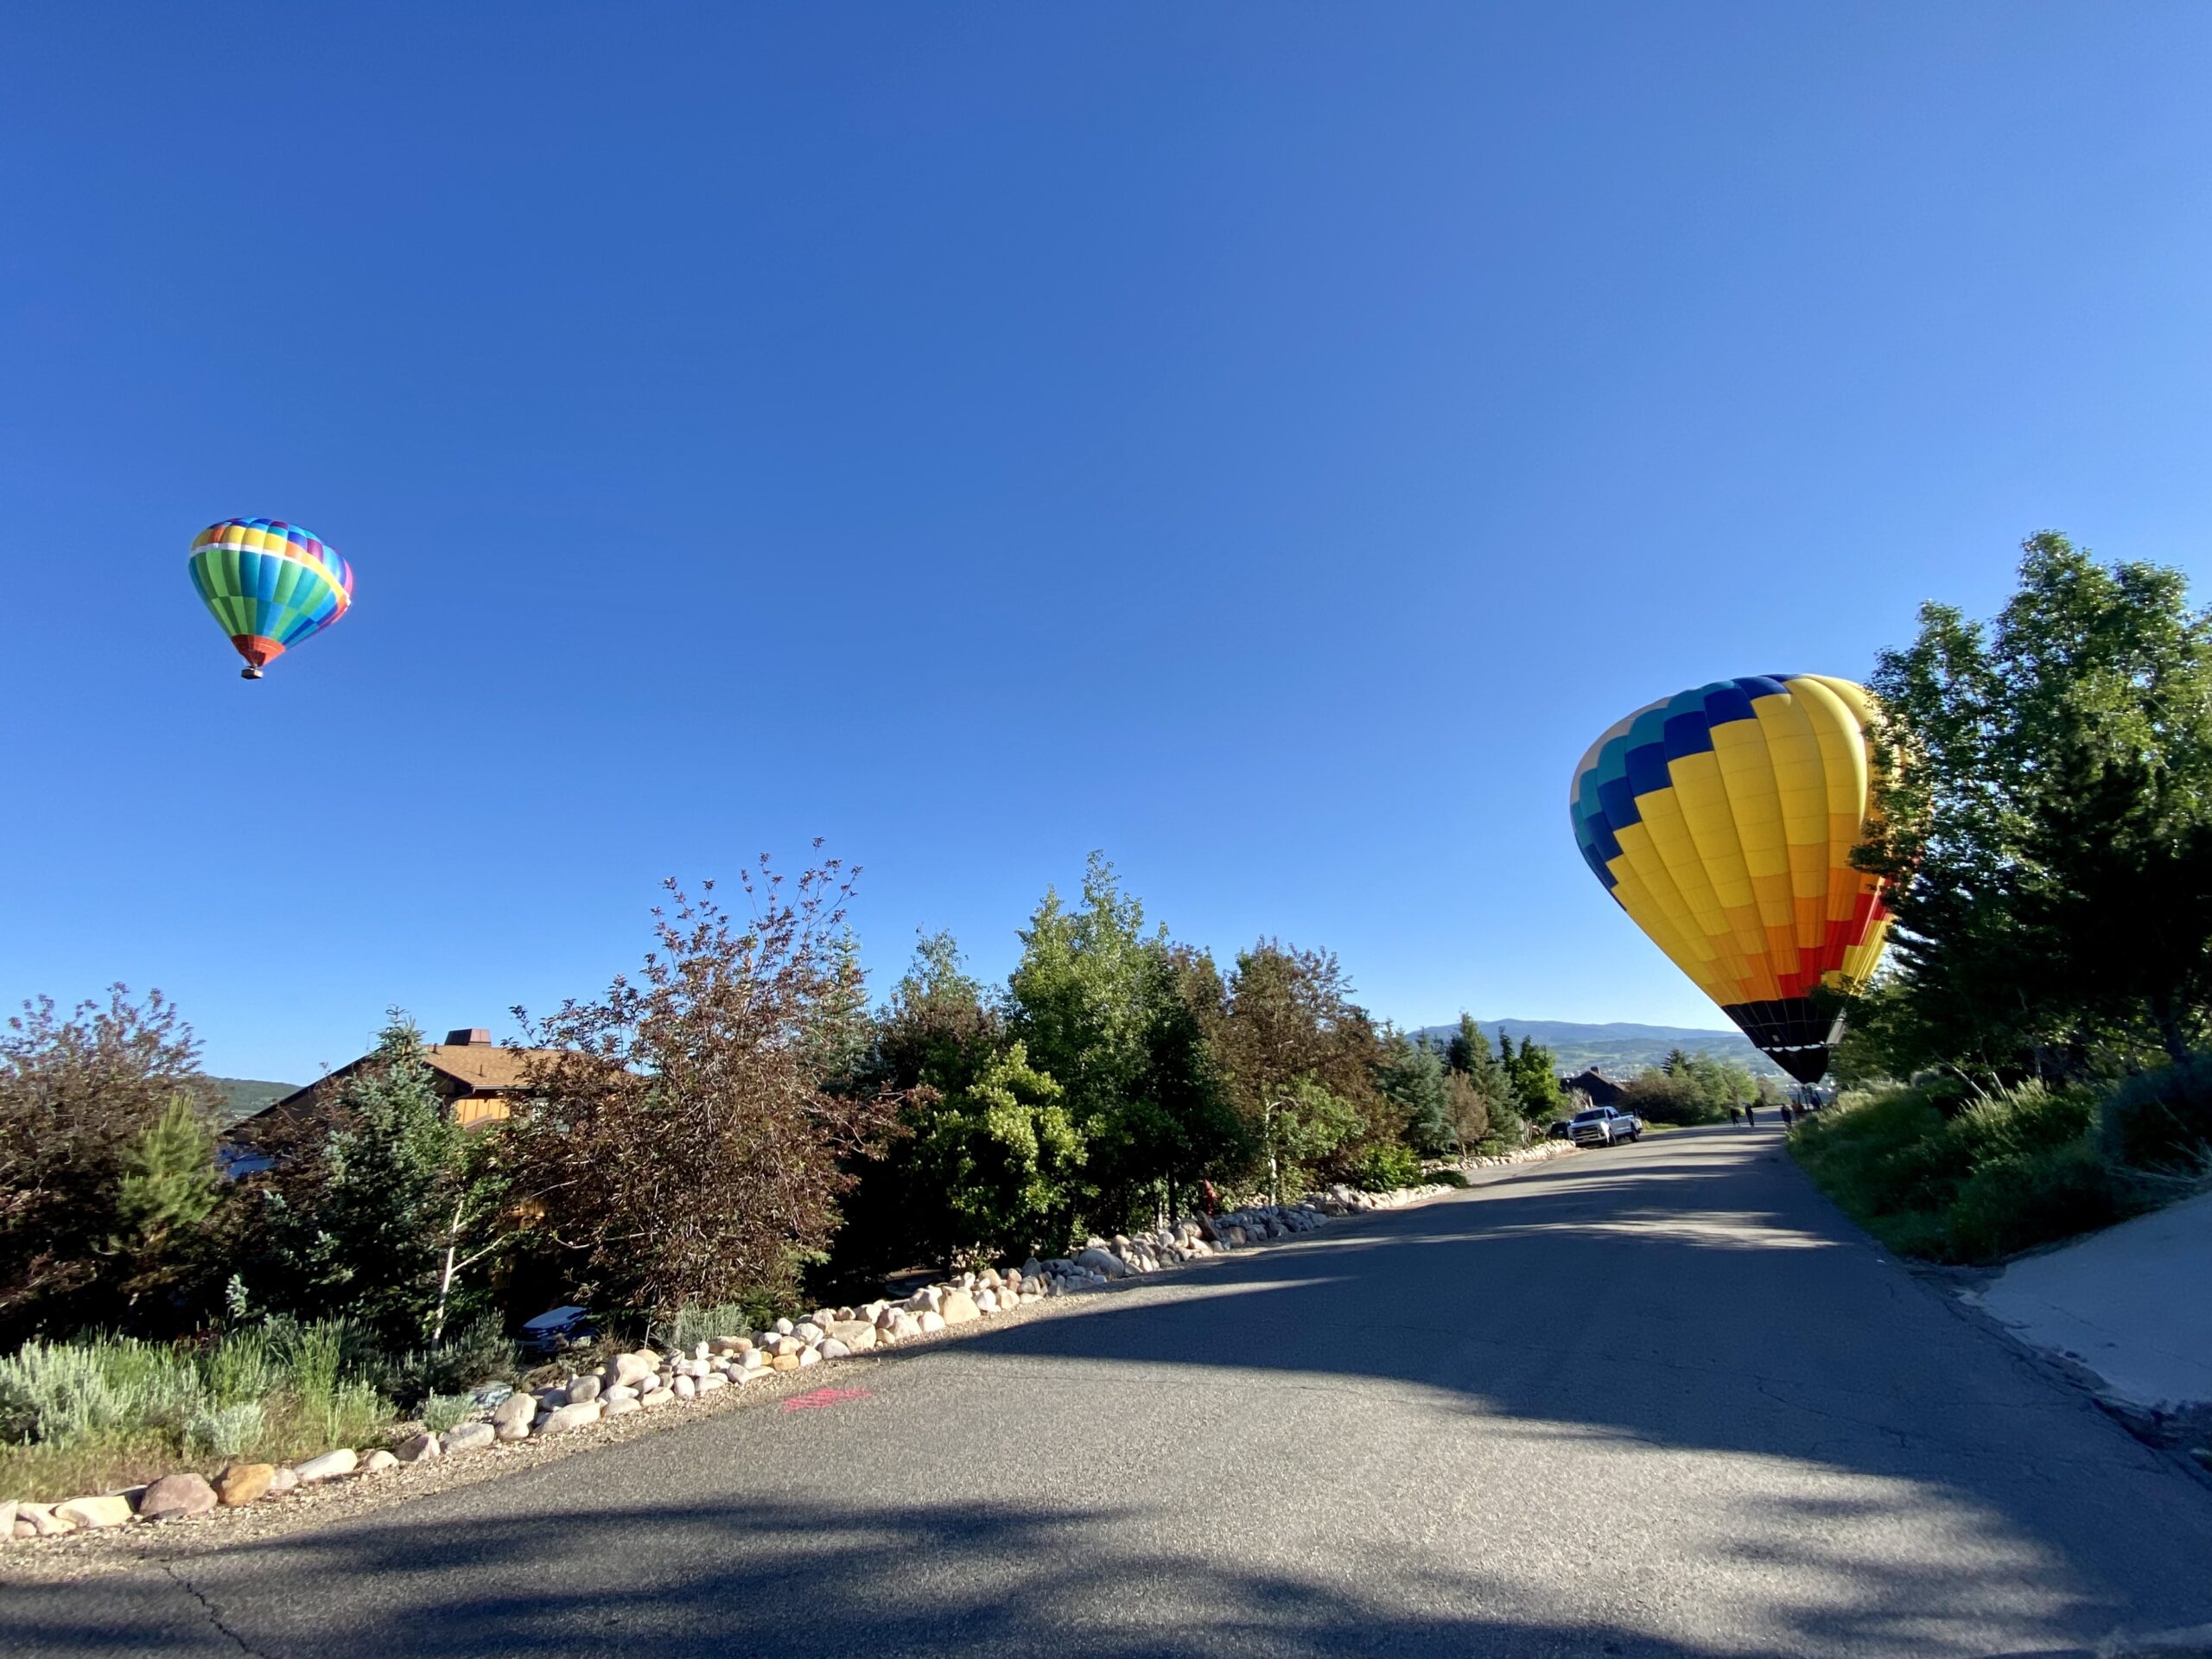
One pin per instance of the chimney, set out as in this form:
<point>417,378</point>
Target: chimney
<point>473,1037</point>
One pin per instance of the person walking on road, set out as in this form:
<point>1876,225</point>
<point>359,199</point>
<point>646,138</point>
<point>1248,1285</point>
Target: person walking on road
<point>1735,1115</point>
<point>1750,1115</point>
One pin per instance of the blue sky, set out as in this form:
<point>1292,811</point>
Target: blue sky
<point>1265,441</point>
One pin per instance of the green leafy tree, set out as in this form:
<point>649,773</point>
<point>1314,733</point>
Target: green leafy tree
<point>1006,1160</point>
<point>933,1041</point>
<point>1124,1020</point>
<point>1531,1093</point>
<point>1292,1023</point>
<point>2048,834</point>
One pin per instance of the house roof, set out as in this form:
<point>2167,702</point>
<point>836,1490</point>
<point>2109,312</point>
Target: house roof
<point>478,1068</point>
<point>482,1066</point>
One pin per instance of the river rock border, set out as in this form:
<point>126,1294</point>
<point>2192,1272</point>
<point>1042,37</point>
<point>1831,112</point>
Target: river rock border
<point>648,1380</point>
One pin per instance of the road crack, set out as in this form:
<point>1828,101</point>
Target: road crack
<point>214,1616</point>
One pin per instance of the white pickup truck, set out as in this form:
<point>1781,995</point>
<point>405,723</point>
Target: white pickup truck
<point>1602,1126</point>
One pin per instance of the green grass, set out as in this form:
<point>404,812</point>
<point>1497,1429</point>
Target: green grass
<point>2003,1175</point>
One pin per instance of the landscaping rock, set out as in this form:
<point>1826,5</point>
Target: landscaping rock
<point>657,1397</point>
<point>619,1393</point>
<point>630,1370</point>
<point>986,1300</point>
<point>623,1407</point>
<point>473,1437</point>
<point>583,1390</point>
<point>39,1521</point>
<point>110,1510</point>
<point>174,1496</point>
<point>752,1360</point>
<point>328,1466</point>
<point>855,1334</point>
<point>956,1307</point>
<point>787,1362</point>
<point>510,1432</point>
<point>832,1349</point>
<point>809,1356</point>
<point>729,1345</point>
<point>712,1381</point>
<point>575,1415</point>
<point>419,1448</point>
<point>242,1483</point>
<point>1105,1262</point>
<point>286,1479</point>
<point>378,1461</point>
<point>782,1328</point>
<point>685,1388</point>
<point>7,1517</point>
<point>930,1320</point>
<point>515,1408</point>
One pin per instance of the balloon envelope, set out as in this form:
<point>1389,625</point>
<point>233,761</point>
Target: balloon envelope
<point>1723,821</point>
<point>269,584</point>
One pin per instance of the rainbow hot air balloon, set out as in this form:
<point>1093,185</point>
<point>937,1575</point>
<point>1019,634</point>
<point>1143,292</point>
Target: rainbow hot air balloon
<point>269,584</point>
<point>1723,820</point>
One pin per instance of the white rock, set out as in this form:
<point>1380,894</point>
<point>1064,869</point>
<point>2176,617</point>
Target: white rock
<point>576,1415</point>
<point>831,1349</point>
<point>808,1357</point>
<point>515,1408</point>
<point>419,1448</point>
<point>657,1397</point>
<point>932,1320</point>
<point>378,1461</point>
<point>782,1328</point>
<point>620,1394</point>
<point>808,1332</point>
<point>329,1465</point>
<point>630,1369</point>
<point>583,1390</point>
<point>987,1301</point>
<point>621,1407</point>
<point>684,1387</point>
<point>712,1381</point>
<point>470,1437</point>
<point>1103,1262</point>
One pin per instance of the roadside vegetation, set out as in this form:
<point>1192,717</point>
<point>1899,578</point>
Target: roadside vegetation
<point>2033,1064</point>
<point>735,1131</point>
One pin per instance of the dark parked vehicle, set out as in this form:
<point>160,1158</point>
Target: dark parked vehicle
<point>556,1329</point>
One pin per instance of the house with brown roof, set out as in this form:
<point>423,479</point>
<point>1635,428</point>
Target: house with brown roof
<point>476,1077</point>
<point>1594,1086</point>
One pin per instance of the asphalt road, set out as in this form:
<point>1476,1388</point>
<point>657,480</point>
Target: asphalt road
<point>1660,1400</point>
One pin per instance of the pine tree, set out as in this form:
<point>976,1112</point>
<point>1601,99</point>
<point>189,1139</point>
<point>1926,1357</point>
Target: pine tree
<point>169,1185</point>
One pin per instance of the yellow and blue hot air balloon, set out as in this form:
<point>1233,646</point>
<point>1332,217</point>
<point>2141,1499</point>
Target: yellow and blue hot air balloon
<point>1723,821</point>
<point>269,584</point>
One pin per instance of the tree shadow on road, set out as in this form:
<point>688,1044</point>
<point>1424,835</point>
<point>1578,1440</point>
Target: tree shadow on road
<point>796,1577</point>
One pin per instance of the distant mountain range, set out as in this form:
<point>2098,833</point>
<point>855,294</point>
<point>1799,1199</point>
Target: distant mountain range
<point>1619,1049</point>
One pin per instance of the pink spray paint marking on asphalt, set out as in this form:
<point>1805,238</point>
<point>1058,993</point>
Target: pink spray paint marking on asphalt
<point>821,1399</point>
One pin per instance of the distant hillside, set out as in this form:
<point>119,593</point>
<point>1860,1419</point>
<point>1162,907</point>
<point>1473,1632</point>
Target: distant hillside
<point>243,1096</point>
<point>1619,1049</point>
